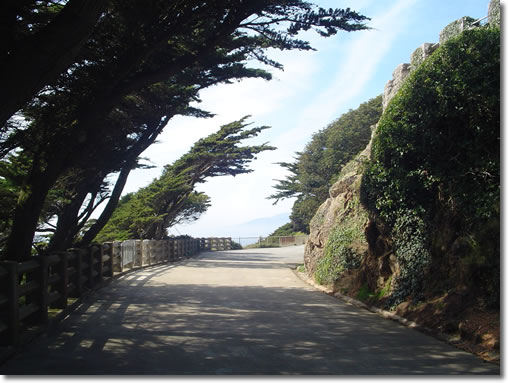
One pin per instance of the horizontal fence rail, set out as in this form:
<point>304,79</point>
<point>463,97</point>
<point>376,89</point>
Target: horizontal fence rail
<point>30,290</point>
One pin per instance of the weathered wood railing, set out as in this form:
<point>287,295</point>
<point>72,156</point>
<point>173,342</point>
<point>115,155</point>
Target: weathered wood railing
<point>31,289</point>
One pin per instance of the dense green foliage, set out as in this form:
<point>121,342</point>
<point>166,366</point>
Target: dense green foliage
<point>105,82</point>
<point>437,153</point>
<point>285,230</point>
<point>318,166</point>
<point>340,254</point>
<point>345,245</point>
<point>411,245</point>
<point>171,199</point>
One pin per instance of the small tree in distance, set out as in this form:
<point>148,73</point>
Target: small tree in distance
<point>171,198</point>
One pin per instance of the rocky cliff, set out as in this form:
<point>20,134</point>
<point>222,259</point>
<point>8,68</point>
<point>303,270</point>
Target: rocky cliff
<point>350,251</point>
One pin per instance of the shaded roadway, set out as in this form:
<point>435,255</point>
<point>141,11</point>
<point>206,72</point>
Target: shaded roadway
<point>232,312</point>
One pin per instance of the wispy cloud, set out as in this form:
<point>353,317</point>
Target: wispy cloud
<point>314,89</point>
<point>362,57</point>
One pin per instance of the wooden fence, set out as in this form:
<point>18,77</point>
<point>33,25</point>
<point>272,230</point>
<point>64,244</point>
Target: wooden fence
<point>215,244</point>
<point>30,290</point>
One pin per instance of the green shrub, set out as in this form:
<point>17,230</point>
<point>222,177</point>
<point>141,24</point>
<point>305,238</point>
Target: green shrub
<point>411,246</point>
<point>438,147</point>
<point>286,230</point>
<point>364,294</point>
<point>340,253</point>
<point>385,290</point>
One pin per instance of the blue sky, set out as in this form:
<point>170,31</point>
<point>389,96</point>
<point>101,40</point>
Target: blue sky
<point>314,89</point>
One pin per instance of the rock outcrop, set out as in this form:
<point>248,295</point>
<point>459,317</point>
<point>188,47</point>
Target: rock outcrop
<point>345,193</point>
<point>392,86</point>
<point>365,262</point>
<point>343,205</point>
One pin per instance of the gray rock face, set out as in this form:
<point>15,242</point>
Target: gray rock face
<point>421,53</point>
<point>339,208</point>
<point>399,75</point>
<point>494,13</point>
<point>455,28</point>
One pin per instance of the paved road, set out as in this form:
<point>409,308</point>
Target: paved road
<point>233,312</point>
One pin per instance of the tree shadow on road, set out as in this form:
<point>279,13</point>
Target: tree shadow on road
<point>139,325</point>
<point>250,260</point>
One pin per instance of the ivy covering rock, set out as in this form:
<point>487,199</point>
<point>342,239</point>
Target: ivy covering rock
<point>413,223</point>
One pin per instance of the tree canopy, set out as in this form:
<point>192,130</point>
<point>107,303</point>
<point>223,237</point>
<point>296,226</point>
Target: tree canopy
<point>316,168</point>
<point>140,63</point>
<point>40,39</point>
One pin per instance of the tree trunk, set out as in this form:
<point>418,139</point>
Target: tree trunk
<point>109,209</point>
<point>67,226</point>
<point>26,216</point>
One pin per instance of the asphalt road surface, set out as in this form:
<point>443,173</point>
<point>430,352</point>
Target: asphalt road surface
<point>235,313</point>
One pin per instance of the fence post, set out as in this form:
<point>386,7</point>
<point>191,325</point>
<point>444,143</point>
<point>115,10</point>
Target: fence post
<point>153,251</point>
<point>62,286</point>
<point>145,252</point>
<point>44,295</point>
<point>78,281</point>
<point>107,250</point>
<point>171,249</point>
<point>138,248</point>
<point>142,247</point>
<point>12,303</point>
<point>121,248</point>
<point>79,271</point>
<point>179,246</point>
<point>39,297</point>
<point>164,251</point>
<point>88,258</point>
<point>160,250</point>
<point>97,258</point>
<point>118,254</point>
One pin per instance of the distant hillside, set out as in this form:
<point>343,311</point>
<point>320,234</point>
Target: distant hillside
<point>257,227</point>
